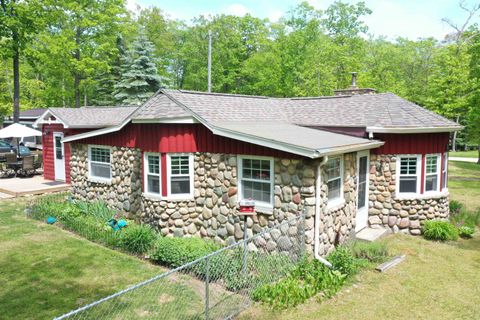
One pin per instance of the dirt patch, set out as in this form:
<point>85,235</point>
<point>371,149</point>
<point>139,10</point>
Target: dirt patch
<point>165,298</point>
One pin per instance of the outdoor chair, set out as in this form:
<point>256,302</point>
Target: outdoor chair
<point>11,162</point>
<point>28,165</point>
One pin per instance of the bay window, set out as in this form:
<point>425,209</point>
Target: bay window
<point>334,170</point>
<point>432,172</point>
<point>256,180</point>
<point>152,174</point>
<point>409,167</point>
<point>99,163</point>
<point>180,175</point>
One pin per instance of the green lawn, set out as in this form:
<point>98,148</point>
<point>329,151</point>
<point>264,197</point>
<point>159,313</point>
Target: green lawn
<point>464,183</point>
<point>46,271</point>
<point>435,281</point>
<point>464,154</point>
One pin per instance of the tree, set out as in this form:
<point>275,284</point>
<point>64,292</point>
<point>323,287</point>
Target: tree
<point>18,21</point>
<point>139,79</point>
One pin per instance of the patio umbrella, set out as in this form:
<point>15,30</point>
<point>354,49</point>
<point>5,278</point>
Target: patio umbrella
<point>18,131</point>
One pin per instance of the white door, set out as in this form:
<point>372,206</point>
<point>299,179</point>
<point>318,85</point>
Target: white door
<point>362,190</point>
<point>59,156</point>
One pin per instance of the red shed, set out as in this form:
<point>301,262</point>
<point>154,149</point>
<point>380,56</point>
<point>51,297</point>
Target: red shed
<point>57,123</point>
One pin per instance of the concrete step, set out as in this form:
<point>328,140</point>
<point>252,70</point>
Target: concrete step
<point>370,234</point>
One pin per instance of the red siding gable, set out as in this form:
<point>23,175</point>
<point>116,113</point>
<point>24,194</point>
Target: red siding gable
<point>412,143</point>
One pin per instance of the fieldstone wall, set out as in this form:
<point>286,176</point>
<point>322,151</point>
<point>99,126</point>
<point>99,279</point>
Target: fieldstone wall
<point>337,224</point>
<point>399,215</point>
<point>125,189</point>
<point>213,211</point>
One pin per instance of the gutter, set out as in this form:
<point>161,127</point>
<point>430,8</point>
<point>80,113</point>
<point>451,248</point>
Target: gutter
<point>372,130</point>
<point>318,191</point>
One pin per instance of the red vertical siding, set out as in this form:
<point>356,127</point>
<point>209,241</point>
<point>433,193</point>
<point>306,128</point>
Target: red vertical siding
<point>420,143</point>
<point>179,138</point>
<point>49,150</point>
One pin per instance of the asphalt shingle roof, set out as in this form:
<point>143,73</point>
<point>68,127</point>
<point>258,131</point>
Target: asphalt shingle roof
<point>160,106</point>
<point>379,110</point>
<point>92,117</point>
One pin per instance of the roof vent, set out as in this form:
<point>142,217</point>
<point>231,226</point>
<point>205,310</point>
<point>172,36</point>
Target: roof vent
<point>353,90</point>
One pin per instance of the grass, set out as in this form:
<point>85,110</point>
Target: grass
<point>464,154</point>
<point>464,183</point>
<point>46,271</point>
<point>436,281</point>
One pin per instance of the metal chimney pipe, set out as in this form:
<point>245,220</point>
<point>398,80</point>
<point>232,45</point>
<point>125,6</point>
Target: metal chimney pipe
<point>354,79</point>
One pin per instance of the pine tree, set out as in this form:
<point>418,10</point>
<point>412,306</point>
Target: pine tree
<point>139,79</point>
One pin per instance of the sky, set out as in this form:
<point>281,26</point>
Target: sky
<point>411,19</point>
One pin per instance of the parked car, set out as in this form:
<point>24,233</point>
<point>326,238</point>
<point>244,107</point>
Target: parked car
<point>6,147</point>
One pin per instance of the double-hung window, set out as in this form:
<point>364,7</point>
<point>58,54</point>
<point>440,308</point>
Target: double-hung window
<point>334,180</point>
<point>444,171</point>
<point>256,180</point>
<point>432,172</point>
<point>100,168</point>
<point>409,172</point>
<point>180,176</point>
<point>152,174</point>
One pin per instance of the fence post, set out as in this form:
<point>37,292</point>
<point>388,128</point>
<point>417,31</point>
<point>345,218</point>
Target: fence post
<point>207,282</point>
<point>245,247</point>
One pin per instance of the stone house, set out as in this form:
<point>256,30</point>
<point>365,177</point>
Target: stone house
<point>183,160</point>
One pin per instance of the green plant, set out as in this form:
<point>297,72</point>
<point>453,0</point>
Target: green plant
<point>307,279</point>
<point>100,211</point>
<point>372,251</point>
<point>466,231</point>
<point>175,252</point>
<point>455,206</point>
<point>466,218</point>
<point>439,230</point>
<point>137,238</point>
<point>344,261</point>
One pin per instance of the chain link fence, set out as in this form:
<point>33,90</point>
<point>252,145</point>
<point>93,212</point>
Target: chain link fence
<point>217,286</point>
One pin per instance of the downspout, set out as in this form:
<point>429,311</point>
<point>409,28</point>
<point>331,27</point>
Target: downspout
<point>318,193</point>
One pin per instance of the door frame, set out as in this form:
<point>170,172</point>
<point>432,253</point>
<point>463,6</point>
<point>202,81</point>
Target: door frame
<point>63,176</point>
<point>364,210</point>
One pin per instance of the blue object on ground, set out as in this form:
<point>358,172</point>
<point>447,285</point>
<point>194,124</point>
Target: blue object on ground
<point>51,220</point>
<point>121,223</point>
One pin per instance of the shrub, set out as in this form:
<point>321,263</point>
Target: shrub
<point>372,251</point>
<point>175,252</point>
<point>466,231</point>
<point>304,281</point>
<point>439,230</point>
<point>455,206</point>
<point>344,261</point>
<point>137,238</point>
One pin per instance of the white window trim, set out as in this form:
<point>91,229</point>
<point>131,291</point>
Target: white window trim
<point>259,205</point>
<point>182,196</point>
<point>438,173</point>
<point>340,201</point>
<point>408,195</point>
<point>147,194</point>
<point>95,178</point>
<point>444,189</point>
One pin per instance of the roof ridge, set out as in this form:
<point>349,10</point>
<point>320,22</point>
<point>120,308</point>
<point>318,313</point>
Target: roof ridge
<point>223,94</point>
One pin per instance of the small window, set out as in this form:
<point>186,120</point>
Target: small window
<point>334,178</point>
<point>99,162</point>
<point>152,174</point>
<point>432,173</point>
<point>256,183</point>
<point>180,175</point>
<point>444,171</point>
<point>408,177</point>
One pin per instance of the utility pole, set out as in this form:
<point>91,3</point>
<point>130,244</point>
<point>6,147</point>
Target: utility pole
<point>209,60</point>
